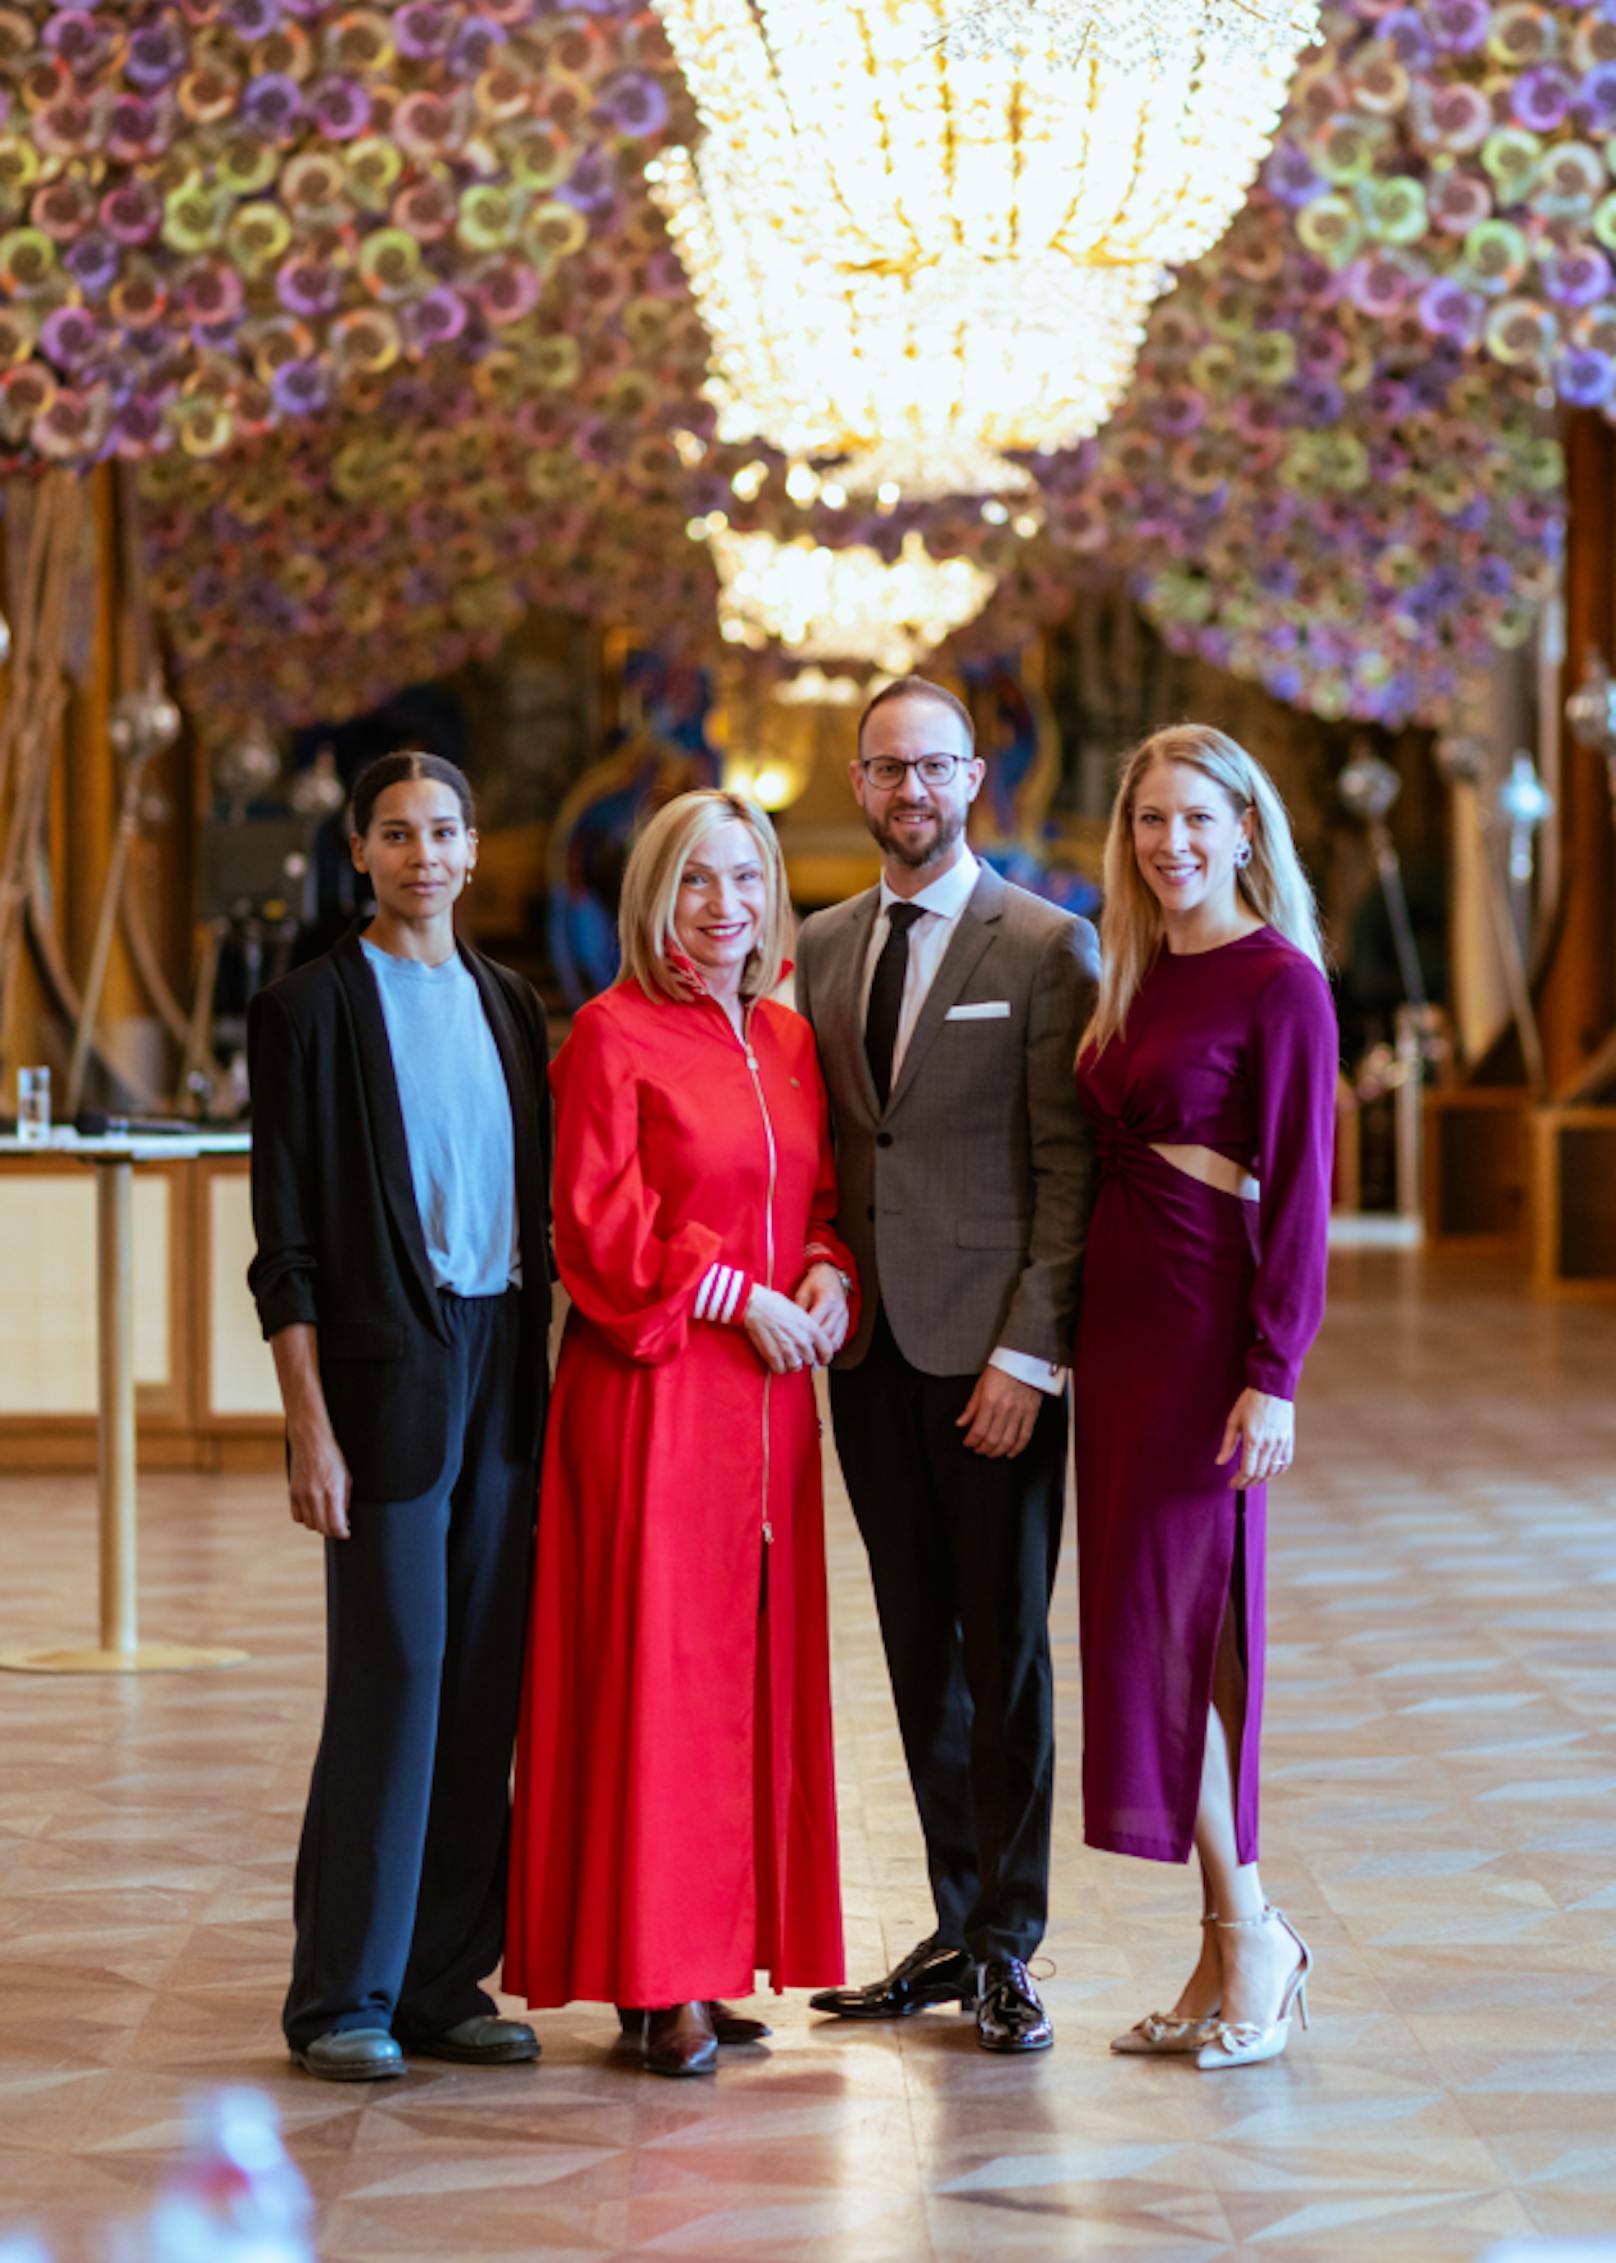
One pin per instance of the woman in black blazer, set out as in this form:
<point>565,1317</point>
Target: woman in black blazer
<point>400,1176</point>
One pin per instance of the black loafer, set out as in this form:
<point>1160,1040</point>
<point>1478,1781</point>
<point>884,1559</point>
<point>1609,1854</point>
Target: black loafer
<point>1010,2014</point>
<point>928,1975</point>
<point>482,2041</point>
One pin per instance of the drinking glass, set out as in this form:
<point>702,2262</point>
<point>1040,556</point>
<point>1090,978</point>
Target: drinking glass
<point>34,1104</point>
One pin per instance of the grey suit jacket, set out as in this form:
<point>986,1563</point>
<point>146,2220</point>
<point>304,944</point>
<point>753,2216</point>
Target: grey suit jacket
<point>966,1199</point>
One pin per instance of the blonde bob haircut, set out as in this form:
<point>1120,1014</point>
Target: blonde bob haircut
<point>656,866</point>
<point>1272,884</point>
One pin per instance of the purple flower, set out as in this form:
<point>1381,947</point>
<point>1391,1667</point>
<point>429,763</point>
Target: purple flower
<point>1458,27</point>
<point>93,263</point>
<point>1584,378</point>
<point>1447,310</point>
<point>301,388</point>
<point>634,103</point>
<point>1405,32</point>
<point>339,108</point>
<point>592,184</point>
<point>69,336</point>
<point>308,286</point>
<point>252,19</point>
<point>157,53</point>
<point>434,319</point>
<point>1178,410</point>
<point>137,427</point>
<point>1576,278</point>
<point>1321,404</point>
<point>423,30</point>
<point>1540,98</point>
<point>474,45</point>
<point>1289,174</point>
<point>1390,400</point>
<point>132,213</point>
<point>1594,103</point>
<point>132,128</point>
<point>272,105</point>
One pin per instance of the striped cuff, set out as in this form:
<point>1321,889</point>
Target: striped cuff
<point>722,1295</point>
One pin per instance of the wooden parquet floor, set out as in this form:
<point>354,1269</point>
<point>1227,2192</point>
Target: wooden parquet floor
<point>1440,1820</point>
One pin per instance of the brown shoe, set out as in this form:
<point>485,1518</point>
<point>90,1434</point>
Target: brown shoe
<point>681,2040</point>
<point>729,2026</point>
<point>732,2027</point>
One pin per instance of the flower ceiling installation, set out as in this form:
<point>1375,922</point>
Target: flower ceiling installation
<point>916,259</point>
<point>214,215</point>
<point>1452,164</point>
<point>379,514</point>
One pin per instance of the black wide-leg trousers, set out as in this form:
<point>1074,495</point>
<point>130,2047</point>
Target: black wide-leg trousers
<point>400,1891</point>
<point>963,1553</point>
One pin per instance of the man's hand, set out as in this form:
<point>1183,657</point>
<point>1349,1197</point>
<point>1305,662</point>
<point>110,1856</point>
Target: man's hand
<point>321,1486</point>
<point>822,1297</point>
<point>999,1415</point>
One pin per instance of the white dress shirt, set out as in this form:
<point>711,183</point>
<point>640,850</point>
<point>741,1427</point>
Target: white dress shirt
<point>942,900</point>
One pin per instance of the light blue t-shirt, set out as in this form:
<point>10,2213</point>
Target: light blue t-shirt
<point>457,1121</point>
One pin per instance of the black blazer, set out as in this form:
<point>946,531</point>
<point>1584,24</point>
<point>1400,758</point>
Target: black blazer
<point>339,1234</point>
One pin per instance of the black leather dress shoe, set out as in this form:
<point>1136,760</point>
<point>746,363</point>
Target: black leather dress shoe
<point>481,2041</point>
<point>928,1975</point>
<point>1010,2015</point>
<point>730,2027</point>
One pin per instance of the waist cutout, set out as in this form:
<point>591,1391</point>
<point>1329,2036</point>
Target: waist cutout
<point>1212,1169</point>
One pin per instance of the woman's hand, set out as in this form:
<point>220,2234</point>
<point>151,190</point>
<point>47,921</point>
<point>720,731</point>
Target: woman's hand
<point>783,1335</point>
<point>822,1297</point>
<point>1264,1430</point>
<point>320,1485</point>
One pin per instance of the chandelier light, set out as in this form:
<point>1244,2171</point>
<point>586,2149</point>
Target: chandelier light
<point>848,604</point>
<point>922,233</point>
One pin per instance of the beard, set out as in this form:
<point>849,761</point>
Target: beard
<point>930,848</point>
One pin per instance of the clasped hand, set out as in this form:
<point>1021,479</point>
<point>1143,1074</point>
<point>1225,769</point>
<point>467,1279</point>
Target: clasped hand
<point>1263,1431</point>
<point>804,1330</point>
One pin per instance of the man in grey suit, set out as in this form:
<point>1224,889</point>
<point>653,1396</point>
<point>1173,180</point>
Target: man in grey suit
<point>947,1006</point>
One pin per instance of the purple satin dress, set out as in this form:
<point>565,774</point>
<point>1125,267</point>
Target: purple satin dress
<point>1189,1295</point>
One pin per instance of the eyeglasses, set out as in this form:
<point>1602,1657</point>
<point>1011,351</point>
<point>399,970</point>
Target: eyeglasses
<point>886,770</point>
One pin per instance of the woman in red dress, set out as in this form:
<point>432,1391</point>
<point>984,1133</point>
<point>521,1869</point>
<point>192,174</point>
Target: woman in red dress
<point>1209,1073</point>
<point>675,1825</point>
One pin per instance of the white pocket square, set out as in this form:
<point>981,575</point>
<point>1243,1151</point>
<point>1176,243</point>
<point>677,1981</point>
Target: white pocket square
<point>986,1009</point>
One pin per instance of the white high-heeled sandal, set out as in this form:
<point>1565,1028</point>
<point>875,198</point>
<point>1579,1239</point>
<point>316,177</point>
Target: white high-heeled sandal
<point>1242,2043</point>
<point>1165,2034</point>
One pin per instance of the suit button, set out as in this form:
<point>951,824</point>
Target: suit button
<point>883,1139</point>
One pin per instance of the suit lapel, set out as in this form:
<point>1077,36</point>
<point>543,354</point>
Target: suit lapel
<point>972,937</point>
<point>844,1003</point>
<point>386,1116</point>
<point>526,1122</point>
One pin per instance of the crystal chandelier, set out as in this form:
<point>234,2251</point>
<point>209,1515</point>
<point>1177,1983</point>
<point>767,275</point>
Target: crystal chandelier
<point>848,604</point>
<point>920,236</point>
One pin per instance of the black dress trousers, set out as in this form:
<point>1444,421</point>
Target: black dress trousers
<point>400,1893</point>
<point>963,1553</point>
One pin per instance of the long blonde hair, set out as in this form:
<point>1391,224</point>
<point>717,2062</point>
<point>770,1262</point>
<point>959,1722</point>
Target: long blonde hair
<point>656,866</point>
<point>1272,883</point>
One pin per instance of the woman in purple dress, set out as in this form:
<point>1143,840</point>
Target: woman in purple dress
<point>1209,1073</point>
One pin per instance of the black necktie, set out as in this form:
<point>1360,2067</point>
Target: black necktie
<point>886,997</point>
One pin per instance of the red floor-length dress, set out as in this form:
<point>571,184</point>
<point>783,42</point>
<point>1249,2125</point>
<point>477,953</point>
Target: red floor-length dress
<point>1189,1295</point>
<point>675,1824</point>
